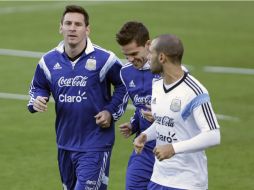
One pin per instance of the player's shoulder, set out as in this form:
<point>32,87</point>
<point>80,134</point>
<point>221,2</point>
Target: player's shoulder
<point>49,57</point>
<point>194,85</point>
<point>107,57</point>
<point>53,53</point>
<point>157,82</point>
<point>102,51</point>
<point>101,55</point>
<point>127,69</point>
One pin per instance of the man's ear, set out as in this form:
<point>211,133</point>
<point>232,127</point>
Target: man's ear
<point>88,30</point>
<point>162,58</point>
<point>60,28</point>
<point>147,44</point>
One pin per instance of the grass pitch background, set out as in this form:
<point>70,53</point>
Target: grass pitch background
<point>213,33</point>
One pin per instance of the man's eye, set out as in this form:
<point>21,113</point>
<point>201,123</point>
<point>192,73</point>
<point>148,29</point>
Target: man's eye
<point>67,23</point>
<point>132,54</point>
<point>79,24</point>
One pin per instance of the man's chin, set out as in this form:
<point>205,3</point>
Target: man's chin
<point>72,43</point>
<point>136,66</point>
<point>154,71</point>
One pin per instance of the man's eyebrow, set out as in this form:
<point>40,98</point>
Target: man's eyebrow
<point>132,53</point>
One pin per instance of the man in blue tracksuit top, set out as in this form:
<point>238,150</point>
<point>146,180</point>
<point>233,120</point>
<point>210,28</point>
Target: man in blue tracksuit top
<point>137,78</point>
<point>79,76</point>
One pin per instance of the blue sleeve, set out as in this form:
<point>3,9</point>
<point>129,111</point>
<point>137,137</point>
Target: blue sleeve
<point>39,87</point>
<point>120,96</point>
<point>135,122</point>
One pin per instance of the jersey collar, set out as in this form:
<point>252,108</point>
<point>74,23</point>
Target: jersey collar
<point>146,66</point>
<point>175,85</point>
<point>89,47</point>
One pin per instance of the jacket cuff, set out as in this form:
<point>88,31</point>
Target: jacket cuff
<point>31,109</point>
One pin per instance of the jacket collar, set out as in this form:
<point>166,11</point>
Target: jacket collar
<point>89,47</point>
<point>146,66</point>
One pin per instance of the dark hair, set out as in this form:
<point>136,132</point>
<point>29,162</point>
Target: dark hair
<point>133,31</point>
<point>76,9</point>
<point>171,46</point>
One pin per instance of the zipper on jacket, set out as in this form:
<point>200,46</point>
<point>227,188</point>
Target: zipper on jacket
<point>73,65</point>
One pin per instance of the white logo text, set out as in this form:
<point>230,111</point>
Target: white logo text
<point>76,81</point>
<point>71,99</point>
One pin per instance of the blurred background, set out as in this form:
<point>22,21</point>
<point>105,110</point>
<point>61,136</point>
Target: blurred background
<point>219,43</point>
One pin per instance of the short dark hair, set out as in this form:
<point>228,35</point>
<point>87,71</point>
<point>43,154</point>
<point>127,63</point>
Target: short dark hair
<point>133,31</point>
<point>76,9</point>
<point>171,46</point>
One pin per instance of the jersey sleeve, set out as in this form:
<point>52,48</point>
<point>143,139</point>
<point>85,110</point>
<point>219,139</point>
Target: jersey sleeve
<point>206,121</point>
<point>200,109</point>
<point>39,85</point>
<point>205,117</point>
<point>135,122</point>
<point>120,96</point>
<point>200,142</point>
<point>151,132</point>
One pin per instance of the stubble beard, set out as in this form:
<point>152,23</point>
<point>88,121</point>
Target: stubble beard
<point>156,69</point>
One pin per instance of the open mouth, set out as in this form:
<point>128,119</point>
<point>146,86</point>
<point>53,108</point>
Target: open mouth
<point>72,36</point>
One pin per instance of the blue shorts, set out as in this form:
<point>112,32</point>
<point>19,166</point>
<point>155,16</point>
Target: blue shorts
<point>155,186</point>
<point>84,170</point>
<point>140,169</point>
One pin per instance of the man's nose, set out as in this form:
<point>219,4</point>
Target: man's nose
<point>148,56</point>
<point>72,27</point>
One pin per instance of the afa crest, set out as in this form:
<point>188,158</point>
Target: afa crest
<point>175,105</point>
<point>90,64</point>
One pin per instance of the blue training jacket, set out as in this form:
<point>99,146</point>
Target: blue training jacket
<point>138,83</point>
<point>81,91</point>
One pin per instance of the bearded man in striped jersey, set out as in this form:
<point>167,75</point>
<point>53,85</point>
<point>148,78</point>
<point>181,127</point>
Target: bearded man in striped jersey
<point>185,123</point>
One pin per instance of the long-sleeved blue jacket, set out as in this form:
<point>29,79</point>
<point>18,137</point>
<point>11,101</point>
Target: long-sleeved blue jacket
<point>81,90</point>
<point>138,83</point>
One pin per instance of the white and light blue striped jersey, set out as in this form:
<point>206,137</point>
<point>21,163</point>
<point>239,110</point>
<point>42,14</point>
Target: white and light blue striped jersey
<point>182,112</point>
<point>81,89</point>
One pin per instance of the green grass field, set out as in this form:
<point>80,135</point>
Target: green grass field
<point>213,33</point>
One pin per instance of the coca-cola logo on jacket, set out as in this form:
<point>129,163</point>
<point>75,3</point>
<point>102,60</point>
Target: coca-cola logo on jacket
<point>142,99</point>
<point>76,81</point>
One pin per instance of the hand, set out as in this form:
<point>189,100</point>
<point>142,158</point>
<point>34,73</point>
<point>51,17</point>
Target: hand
<point>139,143</point>
<point>126,129</point>
<point>40,104</point>
<point>164,151</point>
<point>148,114</point>
<point>103,119</point>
